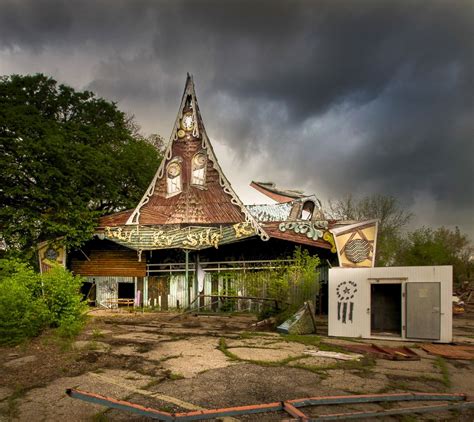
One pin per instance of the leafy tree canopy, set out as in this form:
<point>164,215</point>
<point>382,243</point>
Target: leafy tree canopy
<point>67,157</point>
<point>392,220</point>
<point>442,246</point>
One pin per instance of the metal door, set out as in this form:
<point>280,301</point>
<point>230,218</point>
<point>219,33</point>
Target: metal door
<point>423,312</point>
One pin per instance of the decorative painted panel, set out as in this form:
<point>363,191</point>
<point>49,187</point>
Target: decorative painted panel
<point>167,237</point>
<point>356,244</point>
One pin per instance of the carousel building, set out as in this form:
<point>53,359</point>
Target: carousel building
<point>190,235</point>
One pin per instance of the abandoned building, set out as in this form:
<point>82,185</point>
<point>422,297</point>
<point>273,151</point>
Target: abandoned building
<point>190,235</point>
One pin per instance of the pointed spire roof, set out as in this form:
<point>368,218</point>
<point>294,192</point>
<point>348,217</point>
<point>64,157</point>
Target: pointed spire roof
<point>190,186</point>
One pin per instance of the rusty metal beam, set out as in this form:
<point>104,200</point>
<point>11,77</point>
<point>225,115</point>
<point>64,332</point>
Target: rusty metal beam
<point>289,406</point>
<point>374,398</point>
<point>229,411</point>
<point>399,411</point>
<point>119,404</point>
<point>293,411</point>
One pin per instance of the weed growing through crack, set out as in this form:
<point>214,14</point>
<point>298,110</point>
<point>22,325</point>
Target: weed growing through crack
<point>307,340</point>
<point>441,364</point>
<point>224,349</point>
<point>100,417</point>
<point>11,410</point>
<point>171,357</point>
<point>174,376</point>
<point>97,334</point>
<point>245,335</point>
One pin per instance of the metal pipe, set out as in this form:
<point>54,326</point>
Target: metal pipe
<point>400,411</point>
<point>290,406</point>
<point>119,404</point>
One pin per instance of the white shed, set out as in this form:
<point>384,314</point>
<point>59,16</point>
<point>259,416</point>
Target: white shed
<point>399,303</point>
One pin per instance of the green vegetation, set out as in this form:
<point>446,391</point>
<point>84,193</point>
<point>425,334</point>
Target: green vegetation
<point>30,302</point>
<point>441,364</point>
<point>175,376</point>
<point>67,157</point>
<point>392,220</point>
<point>442,246</point>
<point>97,334</point>
<point>395,246</point>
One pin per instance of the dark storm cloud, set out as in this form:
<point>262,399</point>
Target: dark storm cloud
<point>362,96</point>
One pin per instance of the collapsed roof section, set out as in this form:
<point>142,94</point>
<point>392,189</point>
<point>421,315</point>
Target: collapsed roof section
<point>272,191</point>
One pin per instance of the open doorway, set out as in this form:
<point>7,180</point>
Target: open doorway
<point>386,309</point>
<point>126,290</point>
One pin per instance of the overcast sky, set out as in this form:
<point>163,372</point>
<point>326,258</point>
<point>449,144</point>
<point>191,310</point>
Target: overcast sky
<point>331,97</point>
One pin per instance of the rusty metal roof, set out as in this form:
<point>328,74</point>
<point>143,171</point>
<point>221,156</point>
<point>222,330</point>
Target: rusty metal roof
<point>214,202</point>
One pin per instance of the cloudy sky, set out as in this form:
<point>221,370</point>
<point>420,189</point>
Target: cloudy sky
<point>331,97</point>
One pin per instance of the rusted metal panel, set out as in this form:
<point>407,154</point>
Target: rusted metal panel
<point>117,219</point>
<point>279,195</point>
<point>450,351</point>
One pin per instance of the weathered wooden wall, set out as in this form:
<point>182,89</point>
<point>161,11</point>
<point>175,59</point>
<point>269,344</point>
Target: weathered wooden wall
<point>109,263</point>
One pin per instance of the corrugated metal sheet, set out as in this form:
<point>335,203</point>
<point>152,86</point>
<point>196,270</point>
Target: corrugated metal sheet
<point>107,289</point>
<point>270,212</point>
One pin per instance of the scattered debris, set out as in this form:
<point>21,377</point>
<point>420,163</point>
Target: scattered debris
<point>385,352</point>
<point>302,322</point>
<point>458,305</point>
<point>333,355</point>
<point>269,322</point>
<point>450,351</point>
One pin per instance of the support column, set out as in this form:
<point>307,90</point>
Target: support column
<point>196,284</point>
<point>186,275</point>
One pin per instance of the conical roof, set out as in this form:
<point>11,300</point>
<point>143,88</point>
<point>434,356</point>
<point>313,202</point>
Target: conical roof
<point>190,186</point>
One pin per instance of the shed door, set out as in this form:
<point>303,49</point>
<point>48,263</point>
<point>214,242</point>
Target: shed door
<point>423,316</point>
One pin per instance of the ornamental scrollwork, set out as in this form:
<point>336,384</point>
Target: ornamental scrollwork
<point>161,239</point>
<point>207,237</point>
<point>243,230</point>
<point>302,227</point>
<point>328,237</point>
<point>120,234</point>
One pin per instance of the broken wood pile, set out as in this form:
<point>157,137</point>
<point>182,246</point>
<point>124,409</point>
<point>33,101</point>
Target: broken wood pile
<point>385,352</point>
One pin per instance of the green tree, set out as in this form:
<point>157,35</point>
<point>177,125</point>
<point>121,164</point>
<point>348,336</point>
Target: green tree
<point>426,246</point>
<point>392,220</point>
<point>67,157</point>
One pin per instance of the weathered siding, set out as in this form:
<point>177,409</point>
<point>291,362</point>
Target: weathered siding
<point>110,263</point>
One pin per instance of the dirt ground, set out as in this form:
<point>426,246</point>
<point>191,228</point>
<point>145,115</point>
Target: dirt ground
<point>182,363</point>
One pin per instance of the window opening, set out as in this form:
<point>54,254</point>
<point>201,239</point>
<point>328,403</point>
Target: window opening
<point>173,177</point>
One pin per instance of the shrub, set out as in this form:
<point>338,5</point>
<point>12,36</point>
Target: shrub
<point>23,313</point>
<point>61,294</point>
<point>29,302</point>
